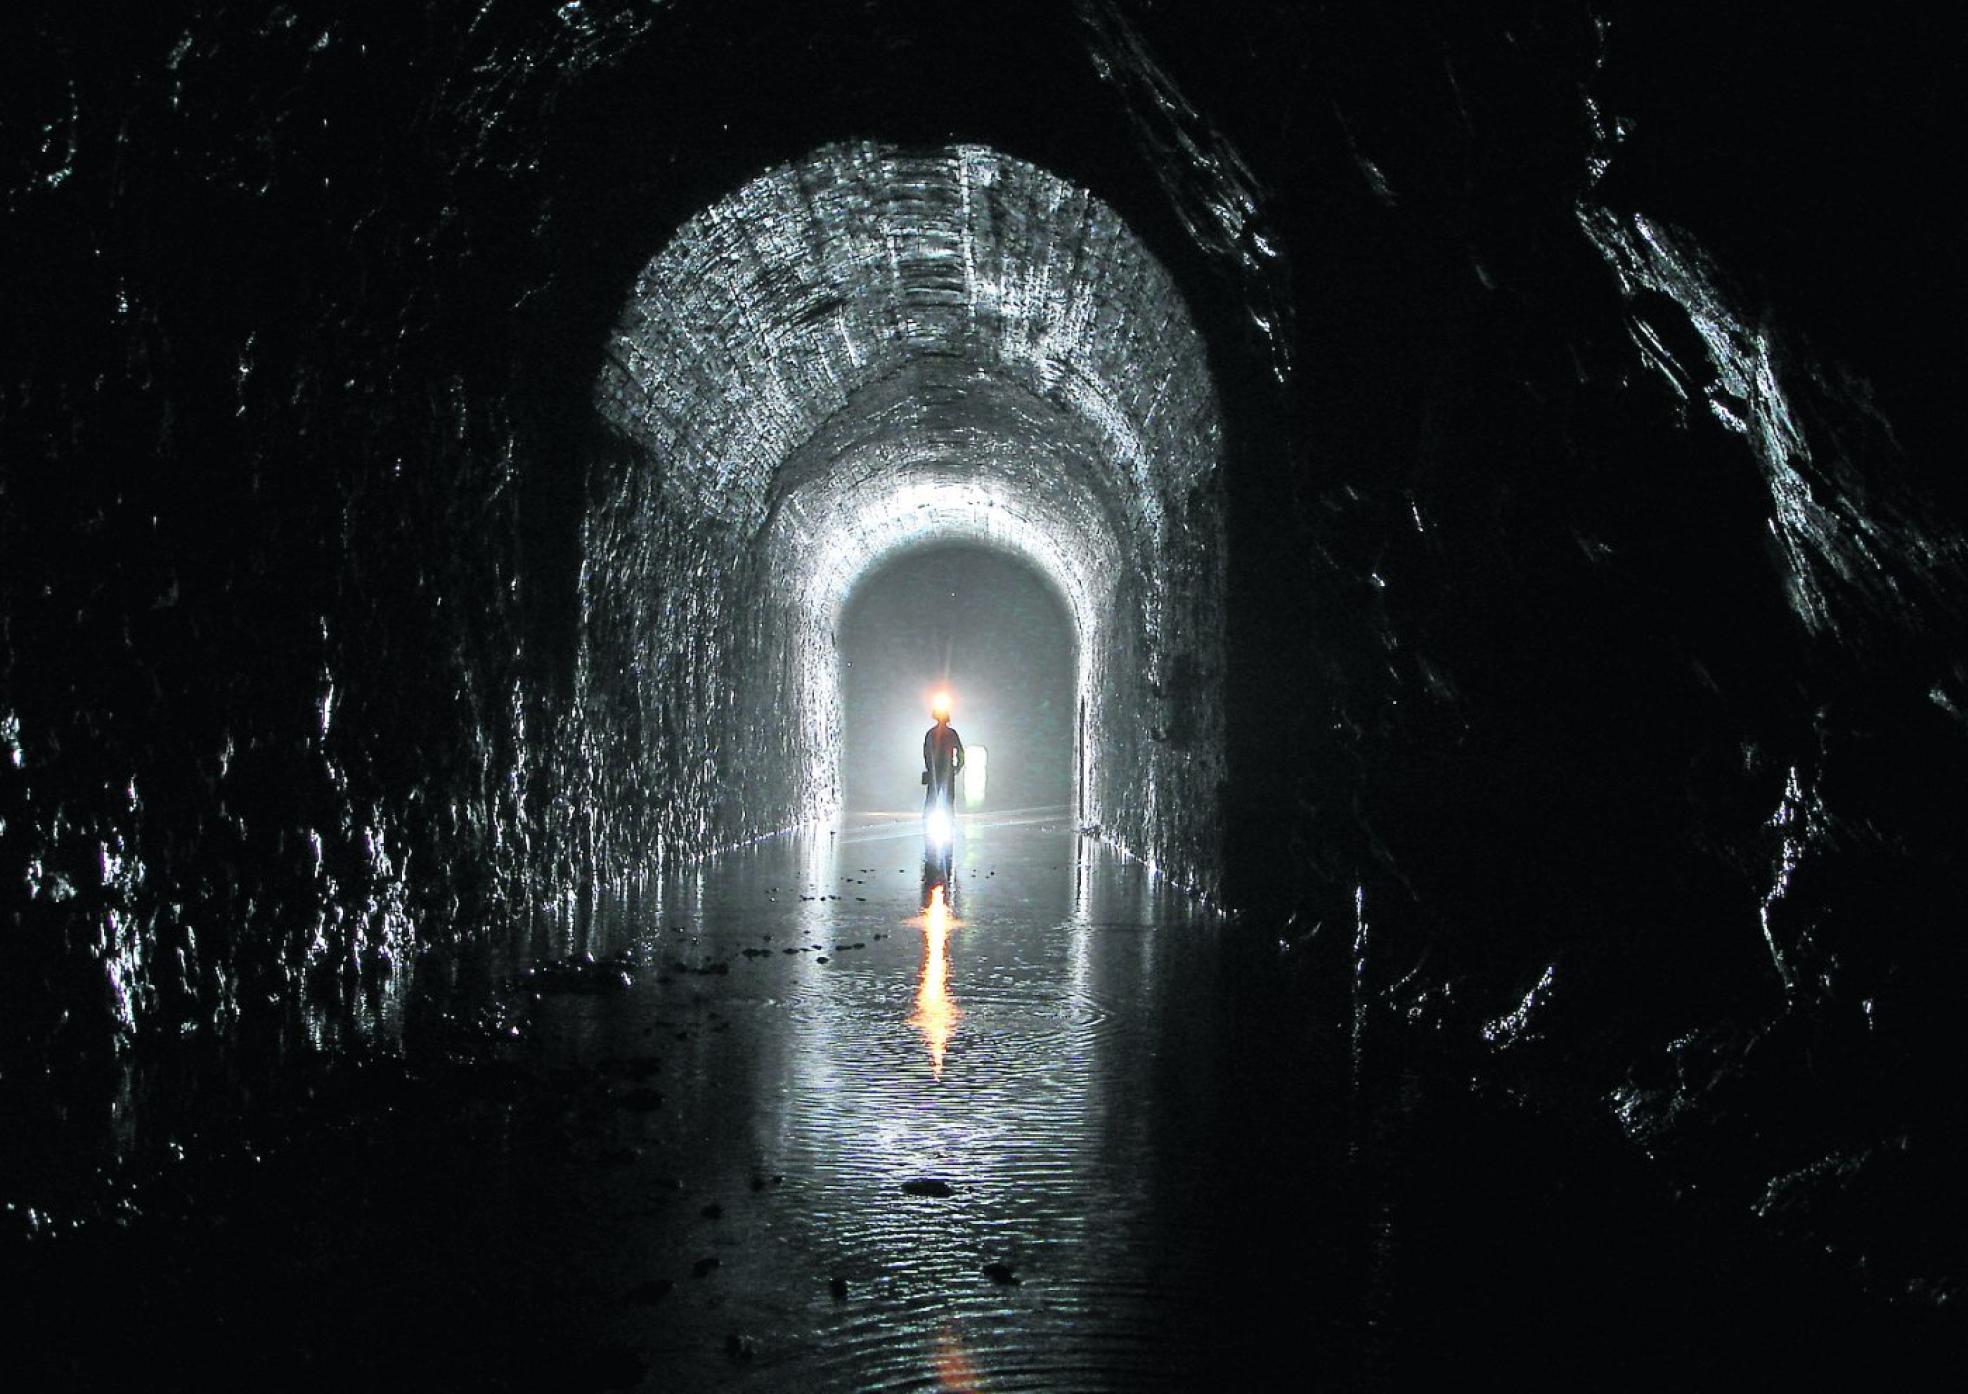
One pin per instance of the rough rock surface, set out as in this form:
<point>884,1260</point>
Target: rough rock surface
<point>403,513</point>
<point>867,351</point>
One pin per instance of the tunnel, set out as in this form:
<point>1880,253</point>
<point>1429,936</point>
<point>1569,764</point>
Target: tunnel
<point>939,347</point>
<point>992,629</point>
<point>1436,528</point>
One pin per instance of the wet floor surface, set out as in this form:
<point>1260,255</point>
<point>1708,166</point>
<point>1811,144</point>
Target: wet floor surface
<point>805,1122</point>
<point>808,1116</point>
<point>928,1137</point>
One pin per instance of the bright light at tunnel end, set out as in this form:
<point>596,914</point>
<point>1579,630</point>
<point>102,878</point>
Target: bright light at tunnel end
<point>836,442</point>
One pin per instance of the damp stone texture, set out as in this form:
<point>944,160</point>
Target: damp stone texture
<point>857,354</point>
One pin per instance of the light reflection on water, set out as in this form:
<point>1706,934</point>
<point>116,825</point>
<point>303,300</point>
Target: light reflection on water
<point>955,1371</point>
<point>735,1109</point>
<point>937,1012</point>
<point>1056,1103</point>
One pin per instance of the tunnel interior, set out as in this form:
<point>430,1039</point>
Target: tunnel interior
<point>990,630</point>
<point>1488,465</point>
<point>859,353</point>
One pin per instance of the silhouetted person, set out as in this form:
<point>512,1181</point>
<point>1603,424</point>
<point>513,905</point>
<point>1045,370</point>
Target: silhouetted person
<point>943,760</point>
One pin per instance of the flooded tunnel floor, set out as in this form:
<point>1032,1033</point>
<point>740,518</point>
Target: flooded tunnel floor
<point>789,1130</point>
<point>905,1147</point>
<point>789,1127</point>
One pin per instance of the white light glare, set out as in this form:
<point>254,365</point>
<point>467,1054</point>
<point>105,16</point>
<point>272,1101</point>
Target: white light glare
<point>977,761</point>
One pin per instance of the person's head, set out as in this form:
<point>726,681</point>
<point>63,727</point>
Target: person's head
<point>939,707</point>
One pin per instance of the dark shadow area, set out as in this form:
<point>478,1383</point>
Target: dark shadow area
<point>1595,684</point>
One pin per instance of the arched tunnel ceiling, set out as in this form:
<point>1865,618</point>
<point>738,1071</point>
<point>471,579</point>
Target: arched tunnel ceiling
<point>871,349</point>
<point>1588,616</point>
<point>768,311</point>
<point>943,448</point>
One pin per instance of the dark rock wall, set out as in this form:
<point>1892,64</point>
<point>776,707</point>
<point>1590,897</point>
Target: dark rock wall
<point>243,477</point>
<point>1592,585</point>
<point>1633,619</point>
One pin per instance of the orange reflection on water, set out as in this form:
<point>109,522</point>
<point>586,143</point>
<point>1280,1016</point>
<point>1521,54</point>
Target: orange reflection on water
<point>954,1371</point>
<point>936,1012</point>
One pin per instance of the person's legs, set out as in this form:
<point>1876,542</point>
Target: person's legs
<point>939,812</point>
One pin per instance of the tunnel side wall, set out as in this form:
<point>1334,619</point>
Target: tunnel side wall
<point>308,305</point>
<point>794,311</point>
<point>1595,627</point>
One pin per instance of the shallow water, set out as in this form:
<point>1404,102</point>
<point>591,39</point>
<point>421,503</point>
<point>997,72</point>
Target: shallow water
<point>1039,1047</point>
<point>789,1129</point>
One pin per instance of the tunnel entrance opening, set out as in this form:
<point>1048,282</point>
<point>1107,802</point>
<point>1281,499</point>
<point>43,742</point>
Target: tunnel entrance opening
<point>848,359</point>
<point>991,630</point>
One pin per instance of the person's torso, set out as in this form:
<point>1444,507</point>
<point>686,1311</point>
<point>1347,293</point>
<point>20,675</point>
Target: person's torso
<point>940,744</point>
